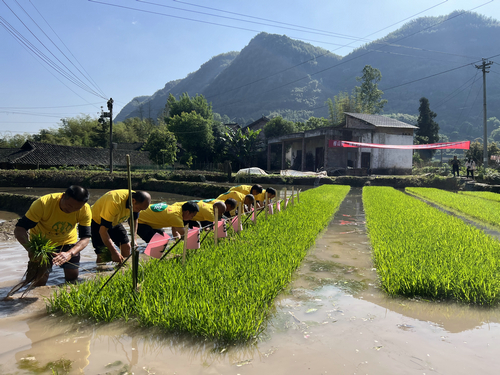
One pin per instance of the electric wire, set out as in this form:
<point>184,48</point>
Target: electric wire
<point>361,55</point>
<point>55,45</point>
<point>67,73</point>
<point>40,55</point>
<point>83,68</point>
<point>458,90</point>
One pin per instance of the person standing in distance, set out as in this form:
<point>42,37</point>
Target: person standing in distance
<point>55,216</point>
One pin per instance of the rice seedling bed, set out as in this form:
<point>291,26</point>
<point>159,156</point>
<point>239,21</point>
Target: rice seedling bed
<point>223,293</point>
<point>420,251</point>
<point>474,207</point>
<point>483,194</point>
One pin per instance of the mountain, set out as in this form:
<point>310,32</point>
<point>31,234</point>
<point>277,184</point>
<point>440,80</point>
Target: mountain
<point>275,75</point>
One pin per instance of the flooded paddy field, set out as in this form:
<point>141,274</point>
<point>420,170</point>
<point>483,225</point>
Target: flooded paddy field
<point>332,319</point>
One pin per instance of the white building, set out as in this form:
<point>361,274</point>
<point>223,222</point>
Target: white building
<point>322,152</point>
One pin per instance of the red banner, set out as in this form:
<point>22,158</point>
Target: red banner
<point>434,146</point>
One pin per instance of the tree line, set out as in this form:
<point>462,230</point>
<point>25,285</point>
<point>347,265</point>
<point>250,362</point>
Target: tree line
<point>190,132</point>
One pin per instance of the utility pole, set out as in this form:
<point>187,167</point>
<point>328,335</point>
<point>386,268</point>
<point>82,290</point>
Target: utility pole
<point>484,66</point>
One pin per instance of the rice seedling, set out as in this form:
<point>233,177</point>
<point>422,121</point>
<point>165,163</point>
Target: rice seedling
<point>483,194</point>
<point>41,250</point>
<point>484,210</point>
<point>420,251</point>
<point>223,292</point>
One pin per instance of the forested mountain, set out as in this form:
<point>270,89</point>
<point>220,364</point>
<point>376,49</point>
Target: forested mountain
<point>274,75</point>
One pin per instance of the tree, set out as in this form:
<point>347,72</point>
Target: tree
<point>428,129</point>
<point>194,133</point>
<point>476,151</point>
<point>343,102</point>
<point>279,126</point>
<point>368,95</point>
<point>242,145</point>
<point>162,147</point>
<point>185,104</point>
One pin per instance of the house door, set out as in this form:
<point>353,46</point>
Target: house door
<point>365,160</point>
<point>320,158</point>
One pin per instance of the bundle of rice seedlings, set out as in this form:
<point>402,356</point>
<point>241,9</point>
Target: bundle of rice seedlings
<point>41,250</point>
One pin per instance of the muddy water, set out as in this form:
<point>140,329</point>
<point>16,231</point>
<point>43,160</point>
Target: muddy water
<point>332,319</point>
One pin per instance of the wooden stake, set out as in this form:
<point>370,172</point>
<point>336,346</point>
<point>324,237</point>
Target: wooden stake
<point>284,206</point>
<point>240,208</point>
<point>186,230</point>
<point>292,196</point>
<point>216,225</point>
<point>135,253</point>
<point>266,202</point>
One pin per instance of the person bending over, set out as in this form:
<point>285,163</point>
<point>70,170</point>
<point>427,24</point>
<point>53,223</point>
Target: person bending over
<point>162,215</point>
<point>108,214</point>
<point>56,217</point>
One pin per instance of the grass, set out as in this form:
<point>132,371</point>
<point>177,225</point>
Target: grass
<point>474,207</point>
<point>420,251</point>
<point>224,293</point>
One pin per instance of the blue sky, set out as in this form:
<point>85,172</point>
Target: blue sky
<point>133,48</point>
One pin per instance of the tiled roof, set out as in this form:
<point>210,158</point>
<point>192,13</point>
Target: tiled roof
<point>381,121</point>
<point>45,154</point>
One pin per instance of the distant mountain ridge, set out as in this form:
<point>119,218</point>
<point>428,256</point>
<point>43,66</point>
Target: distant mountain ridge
<point>275,75</point>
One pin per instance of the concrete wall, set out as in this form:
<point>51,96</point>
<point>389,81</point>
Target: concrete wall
<point>392,159</point>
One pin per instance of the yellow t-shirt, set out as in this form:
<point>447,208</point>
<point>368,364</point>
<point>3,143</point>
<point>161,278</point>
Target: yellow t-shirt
<point>206,212</point>
<point>112,207</point>
<point>237,196</point>
<point>56,225</point>
<point>160,215</point>
<point>245,189</point>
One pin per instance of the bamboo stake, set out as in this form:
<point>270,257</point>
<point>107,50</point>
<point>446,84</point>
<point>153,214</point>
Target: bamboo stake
<point>266,202</point>
<point>135,253</point>
<point>216,225</point>
<point>240,207</point>
<point>186,230</point>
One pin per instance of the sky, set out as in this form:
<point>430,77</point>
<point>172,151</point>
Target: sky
<point>89,51</point>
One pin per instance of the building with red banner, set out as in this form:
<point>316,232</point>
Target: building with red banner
<point>324,150</point>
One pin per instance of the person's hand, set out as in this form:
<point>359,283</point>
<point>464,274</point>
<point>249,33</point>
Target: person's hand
<point>117,257</point>
<point>62,258</point>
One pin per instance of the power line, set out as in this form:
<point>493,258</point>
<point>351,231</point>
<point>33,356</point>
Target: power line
<point>319,32</point>
<point>62,106</point>
<point>88,75</point>
<point>65,72</point>
<point>450,96</point>
<point>361,55</point>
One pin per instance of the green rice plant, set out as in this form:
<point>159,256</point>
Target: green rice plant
<point>483,194</point>
<point>420,251</point>
<point>41,249</point>
<point>476,208</point>
<point>223,293</point>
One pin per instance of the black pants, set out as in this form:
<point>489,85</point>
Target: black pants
<point>455,170</point>
<point>471,171</point>
<point>146,232</point>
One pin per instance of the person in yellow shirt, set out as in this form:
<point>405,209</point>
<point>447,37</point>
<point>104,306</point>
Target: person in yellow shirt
<point>161,215</point>
<point>247,200</point>
<point>206,214</point>
<point>257,191</point>
<point>56,216</point>
<point>108,214</point>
